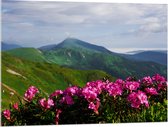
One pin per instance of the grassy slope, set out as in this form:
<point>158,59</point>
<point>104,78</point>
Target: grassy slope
<point>83,58</point>
<point>28,53</point>
<point>112,64</point>
<point>47,77</point>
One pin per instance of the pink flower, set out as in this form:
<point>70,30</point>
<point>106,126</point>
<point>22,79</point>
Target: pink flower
<point>132,97</point>
<point>58,111</point>
<point>119,81</point>
<point>158,78</point>
<point>143,98</point>
<point>132,85</point>
<point>89,93</point>
<point>114,89</point>
<point>15,106</point>
<point>91,105</point>
<point>162,86</point>
<point>137,99</point>
<point>97,83</point>
<point>46,103</point>
<point>56,93</point>
<point>7,114</point>
<point>73,90</point>
<point>151,91</point>
<point>30,93</point>
<point>95,107</point>
<point>96,86</point>
<point>147,80</point>
<point>67,100</point>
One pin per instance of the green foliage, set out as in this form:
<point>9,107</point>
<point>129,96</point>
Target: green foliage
<point>47,76</point>
<point>111,109</point>
<point>28,53</point>
<point>81,58</point>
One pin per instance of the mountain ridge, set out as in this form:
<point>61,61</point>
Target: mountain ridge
<point>6,46</point>
<point>75,43</point>
<point>153,55</point>
<point>31,54</point>
<point>77,54</point>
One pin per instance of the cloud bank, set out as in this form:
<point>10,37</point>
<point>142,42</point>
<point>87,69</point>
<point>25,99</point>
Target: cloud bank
<point>112,25</point>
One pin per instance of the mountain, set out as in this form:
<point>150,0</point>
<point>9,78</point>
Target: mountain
<point>70,62</point>
<point>31,54</point>
<point>81,55</point>
<point>18,74</point>
<point>75,44</point>
<point>5,46</point>
<point>154,56</point>
<point>76,54</point>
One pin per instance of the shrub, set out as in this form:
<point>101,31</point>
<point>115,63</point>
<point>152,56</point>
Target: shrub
<point>98,101</point>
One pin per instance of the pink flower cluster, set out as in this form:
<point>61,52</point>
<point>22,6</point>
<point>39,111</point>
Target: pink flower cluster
<point>56,93</point>
<point>71,91</point>
<point>93,89</point>
<point>114,89</point>
<point>30,93</point>
<point>68,95</point>
<point>147,80</point>
<point>151,91</point>
<point>136,93</point>
<point>16,106</point>
<point>137,99</point>
<point>46,103</point>
<point>158,78</point>
<point>95,106</point>
<point>7,114</point>
<point>58,111</point>
<point>67,99</point>
<point>91,92</point>
<point>132,85</point>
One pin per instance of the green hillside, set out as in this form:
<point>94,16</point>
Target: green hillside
<point>81,55</point>
<point>111,63</point>
<point>18,74</point>
<point>77,54</point>
<point>28,53</point>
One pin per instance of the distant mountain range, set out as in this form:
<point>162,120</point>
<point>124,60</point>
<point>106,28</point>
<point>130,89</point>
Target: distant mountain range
<point>154,56</point>
<point>157,56</point>
<point>6,46</point>
<point>81,55</point>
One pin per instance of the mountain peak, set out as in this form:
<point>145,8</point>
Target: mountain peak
<point>74,43</point>
<point>70,40</point>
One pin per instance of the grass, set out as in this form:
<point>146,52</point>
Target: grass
<point>48,77</point>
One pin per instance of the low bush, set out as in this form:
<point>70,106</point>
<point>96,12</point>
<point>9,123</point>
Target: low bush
<point>100,101</point>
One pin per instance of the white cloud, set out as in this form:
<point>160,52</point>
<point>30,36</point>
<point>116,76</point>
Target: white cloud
<point>77,13</point>
<point>102,22</point>
<point>152,27</point>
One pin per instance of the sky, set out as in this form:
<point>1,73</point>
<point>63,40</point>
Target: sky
<point>116,26</point>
